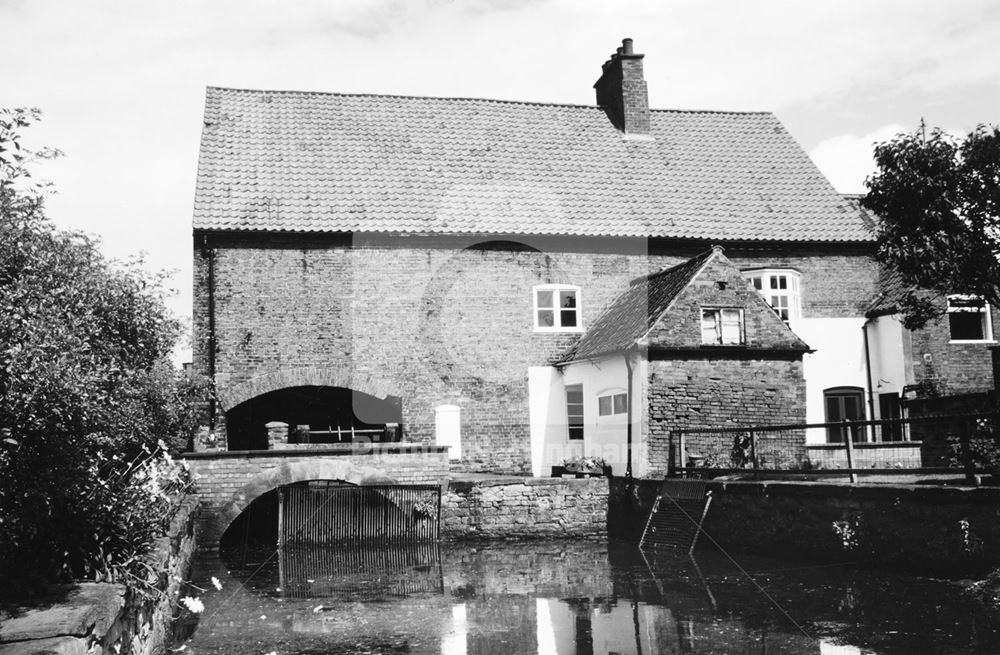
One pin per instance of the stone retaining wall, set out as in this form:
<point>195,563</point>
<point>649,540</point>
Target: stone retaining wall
<point>515,507</point>
<point>930,530</point>
<point>105,619</point>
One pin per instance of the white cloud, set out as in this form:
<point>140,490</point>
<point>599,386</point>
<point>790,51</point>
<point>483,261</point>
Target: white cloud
<point>846,159</point>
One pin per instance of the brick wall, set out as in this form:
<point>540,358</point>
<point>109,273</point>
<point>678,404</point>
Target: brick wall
<point>228,482</point>
<point>951,368</point>
<point>713,392</point>
<point>435,322</point>
<point>525,507</point>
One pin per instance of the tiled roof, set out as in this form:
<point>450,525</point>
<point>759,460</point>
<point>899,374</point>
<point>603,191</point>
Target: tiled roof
<point>890,292</point>
<point>315,162</point>
<point>634,312</point>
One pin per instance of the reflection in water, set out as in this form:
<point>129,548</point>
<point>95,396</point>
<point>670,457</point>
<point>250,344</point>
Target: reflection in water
<point>570,598</point>
<point>359,572</point>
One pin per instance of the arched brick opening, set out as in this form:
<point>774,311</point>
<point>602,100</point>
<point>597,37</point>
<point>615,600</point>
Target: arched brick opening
<point>289,473</point>
<point>230,396</point>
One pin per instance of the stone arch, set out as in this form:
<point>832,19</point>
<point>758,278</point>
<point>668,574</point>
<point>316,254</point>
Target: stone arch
<point>290,473</point>
<point>230,396</point>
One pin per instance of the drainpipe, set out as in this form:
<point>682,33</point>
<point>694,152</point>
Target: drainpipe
<point>628,416</point>
<point>868,375</point>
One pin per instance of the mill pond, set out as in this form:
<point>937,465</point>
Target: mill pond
<point>599,596</point>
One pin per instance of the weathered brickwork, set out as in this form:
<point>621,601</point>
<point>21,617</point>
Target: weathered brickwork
<point>525,507</point>
<point>951,368</point>
<point>698,393</point>
<point>435,321</point>
<point>835,282</point>
<point>228,482</point>
<point>720,285</point>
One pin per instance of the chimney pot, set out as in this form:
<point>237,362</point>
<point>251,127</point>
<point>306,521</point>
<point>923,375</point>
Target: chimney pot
<point>621,91</point>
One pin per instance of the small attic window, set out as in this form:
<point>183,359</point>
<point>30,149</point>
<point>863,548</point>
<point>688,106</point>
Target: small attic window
<point>722,326</point>
<point>557,308</point>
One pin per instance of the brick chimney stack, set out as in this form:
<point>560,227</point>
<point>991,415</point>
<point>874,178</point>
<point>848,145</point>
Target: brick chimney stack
<point>621,91</point>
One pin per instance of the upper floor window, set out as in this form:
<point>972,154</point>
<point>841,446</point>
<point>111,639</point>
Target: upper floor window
<point>557,308</point>
<point>611,404</point>
<point>969,318</point>
<point>780,288</point>
<point>722,326</point>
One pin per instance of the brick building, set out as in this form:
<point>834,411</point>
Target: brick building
<point>444,264</point>
<point>944,367</point>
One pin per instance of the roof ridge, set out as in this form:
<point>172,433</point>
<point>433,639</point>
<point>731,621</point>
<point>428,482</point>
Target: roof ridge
<point>543,103</point>
<point>687,262</point>
<point>404,96</point>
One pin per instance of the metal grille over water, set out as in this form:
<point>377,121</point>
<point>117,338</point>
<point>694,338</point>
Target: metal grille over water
<point>329,513</point>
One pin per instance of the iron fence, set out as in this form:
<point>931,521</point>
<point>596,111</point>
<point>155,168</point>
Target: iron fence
<point>968,443</point>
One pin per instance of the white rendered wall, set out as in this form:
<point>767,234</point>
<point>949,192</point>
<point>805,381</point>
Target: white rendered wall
<point>607,436</point>
<point>839,361</point>
<point>547,420</point>
<point>888,356</point>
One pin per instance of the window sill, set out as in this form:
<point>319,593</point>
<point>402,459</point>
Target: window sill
<point>963,342</point>
<point>576,330</point>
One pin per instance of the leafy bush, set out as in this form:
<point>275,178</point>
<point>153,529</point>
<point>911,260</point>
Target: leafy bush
<point>88,399</point>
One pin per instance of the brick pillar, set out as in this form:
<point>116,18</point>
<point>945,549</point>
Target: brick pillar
<point>277,435</point>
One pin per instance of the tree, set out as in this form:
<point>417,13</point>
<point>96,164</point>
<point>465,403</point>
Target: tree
<point>936,200</point>
<point>87,395</point>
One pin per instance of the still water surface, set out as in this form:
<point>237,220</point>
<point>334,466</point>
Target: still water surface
<point>569,598</point>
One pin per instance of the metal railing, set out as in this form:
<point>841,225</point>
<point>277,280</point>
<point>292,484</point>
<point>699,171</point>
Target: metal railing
<point>931,444</point>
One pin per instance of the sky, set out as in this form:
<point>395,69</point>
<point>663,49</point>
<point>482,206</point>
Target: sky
<point>122,83</point>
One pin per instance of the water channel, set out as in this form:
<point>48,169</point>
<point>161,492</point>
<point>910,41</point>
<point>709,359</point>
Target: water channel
<point>567,597</point>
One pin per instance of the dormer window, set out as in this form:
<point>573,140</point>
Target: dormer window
<point>557,308</point>
<point>969,319</point>
<point>722,326</point>
<point>780,288</point>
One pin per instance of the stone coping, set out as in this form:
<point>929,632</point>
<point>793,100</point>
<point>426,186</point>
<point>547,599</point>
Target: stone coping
<point>326,451</point>
<point>916,492</point>
<point>469,481</point>
<point>871,445</point>
<point>75,611</point>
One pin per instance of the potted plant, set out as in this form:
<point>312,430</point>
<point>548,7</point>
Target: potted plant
<point>582,467</point>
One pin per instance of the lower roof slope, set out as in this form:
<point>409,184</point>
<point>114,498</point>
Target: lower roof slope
<point>316,162</point>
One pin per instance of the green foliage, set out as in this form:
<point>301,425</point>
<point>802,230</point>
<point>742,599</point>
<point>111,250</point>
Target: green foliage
<point>937,203</point>
<point>86,390</point>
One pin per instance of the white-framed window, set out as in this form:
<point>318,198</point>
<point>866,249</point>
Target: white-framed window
<point>969,319</point>
<point>780,288</point>
<point>557,308</point>
<point>722,326</point>
<point>612,403</point>
<point>574,410</point>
